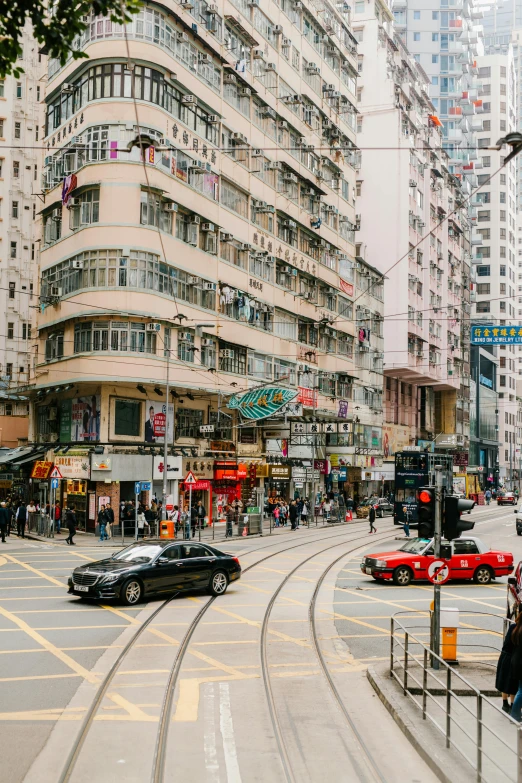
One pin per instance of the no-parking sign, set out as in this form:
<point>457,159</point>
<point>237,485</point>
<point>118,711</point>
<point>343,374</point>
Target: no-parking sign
<point>438,572</point>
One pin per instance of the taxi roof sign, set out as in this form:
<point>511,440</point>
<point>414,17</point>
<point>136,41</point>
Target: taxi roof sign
<point>190,478</point>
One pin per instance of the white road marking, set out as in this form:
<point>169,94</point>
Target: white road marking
<point>209,736</point>
<point>227,732</point>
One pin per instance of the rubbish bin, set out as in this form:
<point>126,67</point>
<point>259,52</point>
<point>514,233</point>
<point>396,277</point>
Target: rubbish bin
<point>167,529</point>
<point>449,623</point>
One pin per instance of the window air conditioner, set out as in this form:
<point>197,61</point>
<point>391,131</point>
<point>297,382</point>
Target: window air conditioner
<point>207,342</point>
<point>226,353</point>
<point>195,220</point>
<point>209,286</point>
<point>153,327</point>
<point>208,227</point>
<point>188,99</point>
<point>226,237</point>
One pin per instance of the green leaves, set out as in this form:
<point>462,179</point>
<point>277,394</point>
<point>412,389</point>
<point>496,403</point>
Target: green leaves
<point>55,26</point>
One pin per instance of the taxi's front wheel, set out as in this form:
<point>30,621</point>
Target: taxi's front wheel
<point>402,576</point>
<point>482,575</point>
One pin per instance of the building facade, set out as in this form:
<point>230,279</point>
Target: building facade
<point>20,136</point>
<point>422,245</point>
<point>199,225</point>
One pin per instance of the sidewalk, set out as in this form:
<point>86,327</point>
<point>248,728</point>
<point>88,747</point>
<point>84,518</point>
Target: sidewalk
<point>459,760</point>
<point>215,534</point>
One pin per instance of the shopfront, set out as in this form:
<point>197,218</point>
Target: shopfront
<point>73,489</point>
<point>278,487</point>
<point>228,481</point>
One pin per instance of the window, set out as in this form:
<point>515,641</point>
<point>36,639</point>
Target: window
<point>54,346</point>
<point>434,58</point>
<point>12,290</point>
<point>416,36</point>
<point>1,128</point>
<point>483,270</point>
<point>9,369</point>
<point>52,223</point>
<point>502,196</point>
<point>127,415</point>
<point>434,36</point>
<point>26,331</point>
<point>188,422</point>
<point>10,330</point>
<point>18,130</point>
<point>2,88</point>
<point>486,162</point>
<point>484,215</point>
<point>464,547</point>
<point>119,336</point>
<point>14,209</point>
<point>486,142</point>
<point>434,15</point>
<point>85,209</point>
<point>232,358</point>
<point>416,15</point>
<point>13,251</point>
<point>186,346</point>
<point>16,168</point>
<point>482,307</point>
<point>484,73</point>
<point>153,212</point>
<point>233,198</point>
<point>483,289</point>
<point>486,125</point>
<point>18,89</point>
<point>502,271</point>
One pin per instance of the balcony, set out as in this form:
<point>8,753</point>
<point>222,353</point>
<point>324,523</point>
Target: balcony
<point>455,136</point>
<point>476,239</point>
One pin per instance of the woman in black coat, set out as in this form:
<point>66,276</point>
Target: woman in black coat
<point>506,680</point>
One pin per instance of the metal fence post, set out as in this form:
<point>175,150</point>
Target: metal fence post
<point>405,685</point>
<point>519,754</point>
<point>448,707</point>
<point>424,683</point>
<point>479,738</point>
<point>392,631</point>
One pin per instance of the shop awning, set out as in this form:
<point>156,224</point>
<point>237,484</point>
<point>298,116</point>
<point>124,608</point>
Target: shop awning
<point>20,455</point>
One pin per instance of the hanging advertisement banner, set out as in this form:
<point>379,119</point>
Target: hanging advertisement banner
<point>260,403</point>
<point>496,335</point>
<point>156,421</point>
<point>85,419</point>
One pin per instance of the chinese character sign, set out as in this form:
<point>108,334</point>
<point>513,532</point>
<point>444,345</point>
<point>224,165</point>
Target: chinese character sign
<point>156,421</point>
<point>260,403</point>
<point>496,335</point>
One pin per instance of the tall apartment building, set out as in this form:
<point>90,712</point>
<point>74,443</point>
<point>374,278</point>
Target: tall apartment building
<point>423,255</point>
<point>19,204</point>
<point>227,243</point>
<point>446,43</point>
<point>495,257</point>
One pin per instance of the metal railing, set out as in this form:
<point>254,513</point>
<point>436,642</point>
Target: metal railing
<point>470,721</point>
<point>40,523</point>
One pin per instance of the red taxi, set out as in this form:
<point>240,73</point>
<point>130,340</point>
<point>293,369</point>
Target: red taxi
<point>468,558</point>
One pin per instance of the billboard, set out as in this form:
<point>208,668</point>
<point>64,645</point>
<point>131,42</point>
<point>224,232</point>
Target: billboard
<point>80,419</point>
<point>156,420</point>
<point>496,335</point>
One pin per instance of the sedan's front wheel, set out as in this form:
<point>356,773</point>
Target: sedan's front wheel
<point>482,575</point>
<point>131,592</point>
<point>218,583</point>
<point>402,576</point>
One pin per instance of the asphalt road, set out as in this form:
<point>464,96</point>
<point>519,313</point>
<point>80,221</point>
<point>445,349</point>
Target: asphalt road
<point>55,648</point>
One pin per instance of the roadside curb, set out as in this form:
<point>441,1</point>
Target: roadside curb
<point>446,763</point>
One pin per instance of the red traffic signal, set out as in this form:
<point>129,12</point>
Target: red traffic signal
<point>426,511</point>
<point>425,496</point>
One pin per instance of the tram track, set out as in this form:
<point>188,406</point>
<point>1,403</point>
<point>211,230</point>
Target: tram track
<point>158,764</point>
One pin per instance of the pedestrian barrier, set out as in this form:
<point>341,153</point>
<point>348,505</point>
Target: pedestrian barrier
<point>485,736</point>
<point>40,524</point>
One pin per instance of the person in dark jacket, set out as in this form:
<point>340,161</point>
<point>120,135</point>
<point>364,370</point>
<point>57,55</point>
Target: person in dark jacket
<point>371,517</point>
<point>102,523</point>
<point>516,667</point>
<point>21,519</point>
<point>293,515</point>
<point>70,523</point>
<point>230,522</point>
<point>505,681</point>
<point>193,520</point>
<point>5,516</point>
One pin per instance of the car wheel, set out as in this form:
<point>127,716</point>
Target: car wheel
<point>218,583</point>
<point>131,592</point>
<point>482,575</point>
<point>380,514</point>
<point>402,576</point>
<point>519,532</point>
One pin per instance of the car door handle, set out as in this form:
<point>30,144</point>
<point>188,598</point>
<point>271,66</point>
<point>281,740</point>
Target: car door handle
<point>212,560</point>
<point>179,564</point>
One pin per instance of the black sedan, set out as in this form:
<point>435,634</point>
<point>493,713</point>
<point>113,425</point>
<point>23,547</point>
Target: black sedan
<point>143,569</point>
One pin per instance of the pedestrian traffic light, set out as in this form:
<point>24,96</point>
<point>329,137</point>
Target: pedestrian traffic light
<point>426,511</point>
<point>452,525</point>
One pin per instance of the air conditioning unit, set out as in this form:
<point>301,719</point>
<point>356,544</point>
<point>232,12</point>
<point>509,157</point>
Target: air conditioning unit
<point>208,227</point>
<point>67,87</point>
<point>226,237</point>
<point>288,177</point>
<point>52,436</point>
<point>182,36</point>
<point>318,242</point>
<point>212,8</point>
<point>245,92</point>
<point>76,202</point>
<point>153,327</point>
<point>277,29</point>
<point>259,54</point>
<point>226,353</point>
<point>312,68</point>
<point>207,342</point>
<point>239,137</point>
<point>195,220</point>
<point>271,67</point>
<point>77,263</point>
<point>55,290</point>
<point>421,224</point>
<point>245,246</point>
<point>229,78</point>
<point>413,184</point>
<point>209,286</point>
<point>289,224</point>
<point>252,3</point>
<point>282,125</point>
<point>276,165</point>
<point>188,99</point>
<point>331,208</point>
<point>185,337</point>
<point>420,354</point>
<point>298,5</point>
<point>257,153</point>
<point>52,414</point>
<point>186,4</point>
<point>170,207</point>
<point>191,280</point>
<point>286,43</point>
<point>212,118</point>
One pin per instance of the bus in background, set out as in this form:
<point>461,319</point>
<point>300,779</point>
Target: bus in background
<point>414,469</point>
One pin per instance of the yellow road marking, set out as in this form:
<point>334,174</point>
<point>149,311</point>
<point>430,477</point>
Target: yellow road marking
<point>63,657</point>
<point>35,571</point>
<point>132,710</point>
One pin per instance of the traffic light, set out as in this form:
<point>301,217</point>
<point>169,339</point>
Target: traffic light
<point>452,525</point>
<point>426,511</point>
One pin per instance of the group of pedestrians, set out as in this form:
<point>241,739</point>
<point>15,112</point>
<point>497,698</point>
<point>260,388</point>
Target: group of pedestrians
<point>188,520</point>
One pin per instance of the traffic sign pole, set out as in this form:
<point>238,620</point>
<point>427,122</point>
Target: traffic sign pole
<point>435,642</point>
<point>137,489</point>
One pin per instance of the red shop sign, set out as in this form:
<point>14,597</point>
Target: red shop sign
<point>307,397</point>
<point>198,485</point>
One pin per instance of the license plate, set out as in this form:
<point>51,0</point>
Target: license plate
<point>81,589</point>
<point>369,571</point>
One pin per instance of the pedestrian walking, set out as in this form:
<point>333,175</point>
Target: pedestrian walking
<point>4,520</point>
<point>21,519</point>
<point>186,523</point>
<point>277,512</point>
<point>31,514</point>
<point>406,524</point>
<point>515,669</point>
<point>109,516</point>
<point>70,523</point>
<point>304,513</point>
<point>202,513</point>
<point>57,517</point>
<point>102,523</point>
<point>293,514</point>
<point>230,521</point>
<point>141,522</point>
<point>506,682</point>
<point>150,519</point>
<point>371,517</point>
<point>175,517</point>
<point>487,495</point>
<point>193,520</point>
<point>10,524</point>
<point>327,509</point>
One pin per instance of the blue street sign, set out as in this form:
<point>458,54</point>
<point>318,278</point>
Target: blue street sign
<point>55,483</point>
<point>137,487</point>
<point>146,486</point>
<point>496,335</point>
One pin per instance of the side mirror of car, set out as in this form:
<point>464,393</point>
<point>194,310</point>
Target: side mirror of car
<point>162,561</point>
<point>512,581</point>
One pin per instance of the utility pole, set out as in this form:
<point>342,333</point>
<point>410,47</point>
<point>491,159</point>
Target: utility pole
<point>435,645</point>
<point>166,441</point>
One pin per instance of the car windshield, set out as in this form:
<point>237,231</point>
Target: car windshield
<point>139,552</point>
<point>416,546</point>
